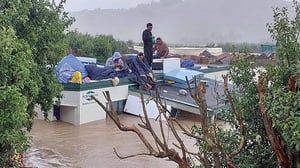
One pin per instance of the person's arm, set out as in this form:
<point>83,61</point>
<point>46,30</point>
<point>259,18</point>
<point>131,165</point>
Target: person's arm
<point>155,47</point>
<point>166,52</point>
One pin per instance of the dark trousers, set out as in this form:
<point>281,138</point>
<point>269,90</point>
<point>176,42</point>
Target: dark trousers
<point>141,80</point>
<point>148,52</point>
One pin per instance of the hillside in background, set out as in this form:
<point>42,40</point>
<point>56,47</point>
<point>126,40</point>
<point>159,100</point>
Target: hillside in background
<point>190,22</point>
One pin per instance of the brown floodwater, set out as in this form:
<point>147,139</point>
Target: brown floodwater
<point>60,144</point>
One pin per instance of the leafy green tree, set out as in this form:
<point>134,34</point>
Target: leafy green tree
<point>82,42</point>
<point>102,47</point>
<point>270,105</point>
<point>282,99</point>
<point>16,62</point>
<point>99,46</point>
<point>258,152</point>
<point>32,37</point>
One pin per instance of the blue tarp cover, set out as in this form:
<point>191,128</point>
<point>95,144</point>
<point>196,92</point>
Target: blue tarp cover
<point>178,75</point>
<point>87,60</point>
<point>187,64</point>
<point>74,63</point>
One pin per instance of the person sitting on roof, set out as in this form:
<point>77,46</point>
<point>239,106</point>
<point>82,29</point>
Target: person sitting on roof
<point>161,48</point>
<point>117,64</point>
<point>141,74</point>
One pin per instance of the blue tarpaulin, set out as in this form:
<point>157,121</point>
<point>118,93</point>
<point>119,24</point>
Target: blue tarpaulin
<point>87,60</point>
<point>187,64</point>
<point>179,77</point>
<point>67,66</point>
<point>74,63</point>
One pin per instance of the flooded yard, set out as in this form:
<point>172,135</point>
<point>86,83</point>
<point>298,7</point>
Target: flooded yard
<point>59,144</point>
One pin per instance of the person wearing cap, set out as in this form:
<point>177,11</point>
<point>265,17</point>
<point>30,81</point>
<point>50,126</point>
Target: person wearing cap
<point>116,63</point>
<point>148,44</point>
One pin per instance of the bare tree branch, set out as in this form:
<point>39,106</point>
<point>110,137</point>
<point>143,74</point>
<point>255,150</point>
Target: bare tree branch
<point>204,160</point>
<point>122,127</point>
<point>161,153</point>
<point>162,131</point>
<point>129,156</point>
<point>179,140</point>
<point>148,124</point>
<point>188,133</point>
<point>238,117</point>
<point>141,118</point>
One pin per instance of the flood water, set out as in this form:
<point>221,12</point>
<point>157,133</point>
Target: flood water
<point>60,144</point>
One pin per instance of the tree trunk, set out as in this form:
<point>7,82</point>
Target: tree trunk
<point>277,142</point>
<point>296,160</point>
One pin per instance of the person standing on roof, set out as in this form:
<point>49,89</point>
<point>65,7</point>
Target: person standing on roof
<point>148,44</point>
<point>161,48</point>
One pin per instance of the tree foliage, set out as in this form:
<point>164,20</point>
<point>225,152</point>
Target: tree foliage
<point>258,152</point>
<point>32,36</point>
<point>99,46</point>
<point>270,103</point>
<point>13,115</point>
<point>268,100</point>
<point>282,100</point>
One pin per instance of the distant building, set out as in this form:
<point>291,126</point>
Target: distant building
<point>188,50</point>
<point>268,48</point>
<point>207,54</point>
<point>267,51</point>
<point>267,54</point>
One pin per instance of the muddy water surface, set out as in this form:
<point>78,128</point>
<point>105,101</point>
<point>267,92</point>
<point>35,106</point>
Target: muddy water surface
<point>59,144</point>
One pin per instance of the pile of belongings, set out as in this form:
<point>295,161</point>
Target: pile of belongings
<point>71,70</point>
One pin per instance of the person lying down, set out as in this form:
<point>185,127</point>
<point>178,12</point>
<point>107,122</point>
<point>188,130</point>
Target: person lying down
<point>99,73</point>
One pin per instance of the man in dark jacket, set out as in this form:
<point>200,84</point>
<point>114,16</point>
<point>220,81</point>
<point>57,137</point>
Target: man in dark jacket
<point>148,44</point>
<point>141,74</point>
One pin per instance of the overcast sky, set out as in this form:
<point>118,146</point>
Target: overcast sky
<point>77,5</point>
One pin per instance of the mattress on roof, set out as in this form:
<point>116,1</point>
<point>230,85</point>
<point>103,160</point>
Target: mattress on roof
<point>179,75</point>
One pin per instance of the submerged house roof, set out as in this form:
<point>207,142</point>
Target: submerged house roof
<point>206,54</point>
<point>267,55</point>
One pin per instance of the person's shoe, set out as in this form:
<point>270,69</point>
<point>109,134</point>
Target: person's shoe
<point>115,81</point>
